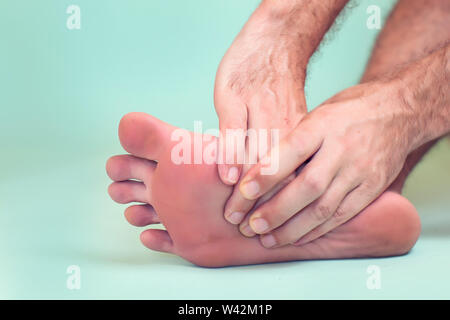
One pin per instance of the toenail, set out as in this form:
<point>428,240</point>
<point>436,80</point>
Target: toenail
<point>268,241</point>
<point>235,217</point>
<point>259,225</point>
<point>233,175</point>
<point>250,189</point>
<point>247,231</point>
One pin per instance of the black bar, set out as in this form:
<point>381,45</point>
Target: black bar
<point>227,309</point>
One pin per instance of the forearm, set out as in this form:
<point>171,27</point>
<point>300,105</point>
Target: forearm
<point>425,92</point>
<point>306,21</point>
<point>399,43</point>
<point>297,26</point>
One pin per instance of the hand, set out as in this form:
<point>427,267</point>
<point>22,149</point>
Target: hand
<point>357,143</point>
<point>259,85</point>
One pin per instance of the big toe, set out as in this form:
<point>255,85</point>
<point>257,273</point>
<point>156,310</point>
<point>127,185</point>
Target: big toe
<point>144,135</point>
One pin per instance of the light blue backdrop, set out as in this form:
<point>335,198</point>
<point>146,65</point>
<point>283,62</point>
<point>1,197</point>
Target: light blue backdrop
<point>62,93</point>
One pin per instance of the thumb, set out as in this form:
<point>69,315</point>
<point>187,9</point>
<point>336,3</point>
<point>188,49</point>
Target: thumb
<point>232,143</point>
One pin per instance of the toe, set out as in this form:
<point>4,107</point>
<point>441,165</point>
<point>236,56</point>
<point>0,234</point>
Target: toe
<point>128,191</point>
<point>126,167</point>
<point>158,240</point>
<point>143,135</point>
<point>141,215</point>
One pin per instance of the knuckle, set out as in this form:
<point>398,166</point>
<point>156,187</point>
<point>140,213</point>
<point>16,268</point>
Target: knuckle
<point>370,190</point>
<point>361,166</point>
<point>322,212</point>
<point>376,179</point>
<point>297,142</point>
<point>314,184</point>
<point>340,213</point>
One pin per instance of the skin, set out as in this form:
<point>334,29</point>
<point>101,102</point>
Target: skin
<point>196,242</point>
<point>196,229</point>
<point>391,115</point>
<point>260,80</point>
<point>426,31</point>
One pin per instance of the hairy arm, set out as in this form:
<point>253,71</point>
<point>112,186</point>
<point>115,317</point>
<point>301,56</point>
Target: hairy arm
<point>278,40</point>
<point>426,93</point>
<point>260,80</point>
<point>305,21</point>
<point>357,142</point>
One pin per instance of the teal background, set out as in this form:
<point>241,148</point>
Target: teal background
<point>62,93</point>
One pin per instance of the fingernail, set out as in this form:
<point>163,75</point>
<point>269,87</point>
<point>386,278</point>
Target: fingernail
<point>259,225</point>
<point>233,175</point>
<point>247,231</point>
<point>268,241</point>
<point>235,217</point>
<point>250,189</point>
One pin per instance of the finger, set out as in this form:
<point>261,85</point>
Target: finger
<point>353,203</point>
<point>280,161</point>
<point>309,185</point>
<point>128,191</point>
<point>141,215</point>
<point>233,127</point>
<point>310,217</point>
<point>269,195</point>
<point>158,240</point>
<point>237,207</point>
<point>126,167</point>
<point>244,227</point>
<point>257,144</point>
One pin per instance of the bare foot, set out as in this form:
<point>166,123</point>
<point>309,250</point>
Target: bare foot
<point>189,201</point>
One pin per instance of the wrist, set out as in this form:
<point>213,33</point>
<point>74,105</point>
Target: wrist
<point>405,113</point>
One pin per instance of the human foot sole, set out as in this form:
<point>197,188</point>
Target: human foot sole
<point>189,200</point>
